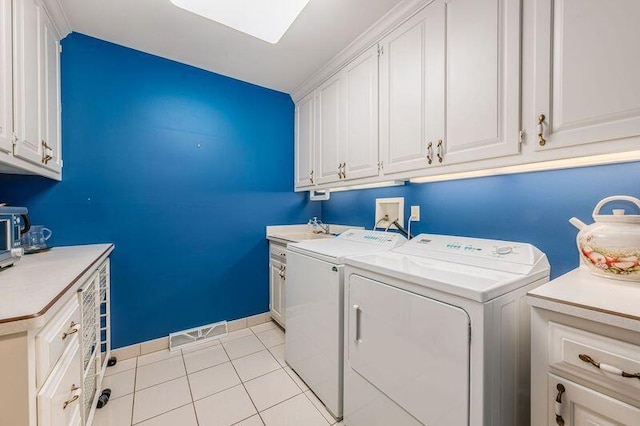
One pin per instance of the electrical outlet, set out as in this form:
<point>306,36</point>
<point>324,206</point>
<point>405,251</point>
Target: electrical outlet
<point>415,213</point>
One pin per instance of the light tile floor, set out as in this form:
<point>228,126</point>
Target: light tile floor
<point>241,379</point>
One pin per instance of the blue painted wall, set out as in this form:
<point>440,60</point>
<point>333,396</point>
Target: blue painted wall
<point>182,169</point>
<point>529,207</point>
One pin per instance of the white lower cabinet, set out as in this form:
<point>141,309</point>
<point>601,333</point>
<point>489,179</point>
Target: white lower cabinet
<point>583,373</point>
<point>51,375</point>
<point>277,280</point>
<point>585,71</point>
<point>570,404</point>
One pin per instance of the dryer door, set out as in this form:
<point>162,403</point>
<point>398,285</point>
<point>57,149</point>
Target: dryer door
<point>412,348</point>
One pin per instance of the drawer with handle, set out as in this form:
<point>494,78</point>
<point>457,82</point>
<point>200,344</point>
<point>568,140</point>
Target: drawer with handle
<point>55,337</point>
<point>278,251</point>
<point>611,363</point>
<point>59,401</point>
<point>570,404</point>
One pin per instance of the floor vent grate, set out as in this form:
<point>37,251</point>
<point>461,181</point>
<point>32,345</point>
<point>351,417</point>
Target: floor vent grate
<point>195,336</point>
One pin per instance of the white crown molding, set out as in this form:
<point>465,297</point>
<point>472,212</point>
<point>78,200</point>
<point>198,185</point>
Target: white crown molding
<point>371,36</point>
<point>58,16</point>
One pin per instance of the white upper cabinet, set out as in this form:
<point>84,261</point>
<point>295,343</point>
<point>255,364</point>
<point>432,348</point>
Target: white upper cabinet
<point>343,131</point>
<point>30,133</point>
<point>329,125</point>
<point>50,94</point>
<point>586,69</point>
<point>450,85</point>
<point>6,89</point>
<point>481,101</point>
<point>304,142</point>
<point>360,91</point>
<point>403,95</point>
<point>27,80</point>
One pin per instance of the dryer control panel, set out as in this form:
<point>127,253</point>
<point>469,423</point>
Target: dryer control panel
<point>492,254</point>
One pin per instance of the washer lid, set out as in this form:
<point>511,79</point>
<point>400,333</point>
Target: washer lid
<point>350,243</point>
<point>476,269</point>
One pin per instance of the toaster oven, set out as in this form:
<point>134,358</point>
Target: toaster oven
<point>13,223</point>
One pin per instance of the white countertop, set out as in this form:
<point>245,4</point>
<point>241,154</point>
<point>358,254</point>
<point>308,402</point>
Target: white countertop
<point>295,233</point>
<point>583,294</point>
<point>37,285</point>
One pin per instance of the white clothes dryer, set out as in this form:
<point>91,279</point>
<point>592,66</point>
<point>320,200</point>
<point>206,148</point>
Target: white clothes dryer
<point>437,333</point>
<point>314,300</point>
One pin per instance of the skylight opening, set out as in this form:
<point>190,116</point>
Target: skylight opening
<point>267,20</point>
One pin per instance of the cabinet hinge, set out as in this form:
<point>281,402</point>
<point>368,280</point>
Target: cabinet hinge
<point>522,136</point>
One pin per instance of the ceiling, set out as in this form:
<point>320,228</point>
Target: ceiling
<point>323,29</point>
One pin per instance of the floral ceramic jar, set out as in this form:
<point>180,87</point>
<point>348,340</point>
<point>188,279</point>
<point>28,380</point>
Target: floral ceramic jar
<point>610,247</point>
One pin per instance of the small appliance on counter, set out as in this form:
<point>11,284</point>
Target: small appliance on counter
<point>35,240</point>
<point>610,247</point>
<point>14,223</point>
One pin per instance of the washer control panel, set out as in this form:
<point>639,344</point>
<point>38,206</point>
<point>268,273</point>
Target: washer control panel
<point>388,239</point>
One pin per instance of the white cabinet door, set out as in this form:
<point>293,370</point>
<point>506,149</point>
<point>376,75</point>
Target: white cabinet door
<point>304,142</point>
<point>403,96</point>
<point>329,127</point>
<point>481,106</point>
<point>6,80</point>
<point>59,400</point>
<point>413,349</point>
<point>586,71</point>
<point>360,84</point>
<point>26,24</point>
<point>50,93</point>
<point>574,405</point>
<point>276,291</point>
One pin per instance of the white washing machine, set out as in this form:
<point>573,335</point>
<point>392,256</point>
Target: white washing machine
<point>314,308</point>
<point>437,333</point>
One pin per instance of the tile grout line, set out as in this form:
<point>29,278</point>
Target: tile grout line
<point>135,380</point>
<point>186,372</point>
<point>162,414</point>
<point>243,386</point>
<point>316,408</point>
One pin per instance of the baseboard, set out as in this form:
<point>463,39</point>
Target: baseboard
<point>162,343</point>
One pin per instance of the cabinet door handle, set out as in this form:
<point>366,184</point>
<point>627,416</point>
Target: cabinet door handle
<point>45,155</point>
<point>73,329</point>
<point>284,272</point>
<point>440,151</point>
<point>430,153</point>
<point>541,140</point>
<point>357,333</point>
<point>311,177</point>
<point>608,368</point>
<point>558,404</point>
<point>344,170</point>
<point>75,397</point>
